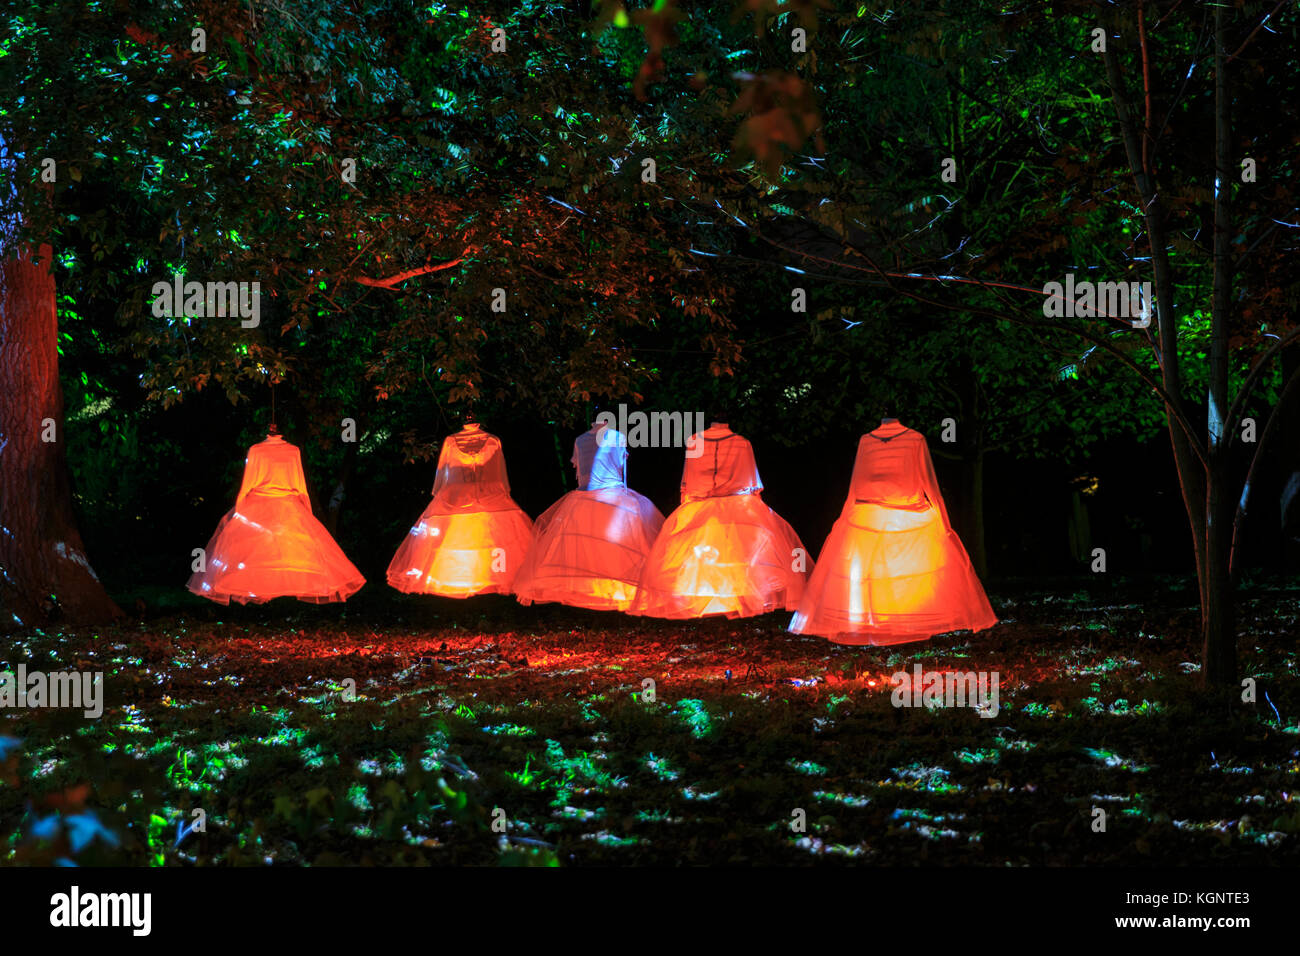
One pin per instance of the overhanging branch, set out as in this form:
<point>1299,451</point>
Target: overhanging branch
<point>401,277</point>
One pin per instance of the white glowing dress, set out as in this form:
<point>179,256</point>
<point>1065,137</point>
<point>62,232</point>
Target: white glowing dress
<point>591,545</point>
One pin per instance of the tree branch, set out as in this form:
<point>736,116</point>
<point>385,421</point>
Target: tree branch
<point>1251,36</point>
<point>409,273</point>
<point>1252,378</point>
<point>1239,519</point>
<point>1174,407</point>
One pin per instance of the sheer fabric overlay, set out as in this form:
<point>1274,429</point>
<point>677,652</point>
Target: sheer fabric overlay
<point>723,551</point>
<point>472,538</point>
<point>591,545</point>
<point>892,569</point>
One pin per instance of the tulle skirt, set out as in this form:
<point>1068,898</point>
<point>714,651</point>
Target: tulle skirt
<point>729,555</point>
<point>589,550</point>
<point>462,553</point>
<point>890,575</point>
<point>273,546</point>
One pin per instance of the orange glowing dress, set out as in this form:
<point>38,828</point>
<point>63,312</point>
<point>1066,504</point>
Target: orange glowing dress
<point>892,569</point>
<point>472,538</point>
<point>723,551</point>
<point>270,544</point>
<point>592,544</point>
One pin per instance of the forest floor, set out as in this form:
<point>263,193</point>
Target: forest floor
<point>402,730</point>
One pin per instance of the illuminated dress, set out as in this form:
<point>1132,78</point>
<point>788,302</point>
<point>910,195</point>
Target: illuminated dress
<point>270,544</point>
<point>892,569</point>
<point>723,551</point>
<point>590,545</point>
<point>472,538</point>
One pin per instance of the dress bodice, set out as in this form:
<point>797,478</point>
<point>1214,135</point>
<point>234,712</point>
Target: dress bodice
<point>471,469</point>
<point>600,458</point>
<point>273,468</point>
<point>894,468</point>
<point>725,466</point>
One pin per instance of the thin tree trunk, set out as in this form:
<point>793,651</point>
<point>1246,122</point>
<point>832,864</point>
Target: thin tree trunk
<point>1286,455</point>
<point>1218,630</point>
<point>976,545</point>
<point>1288,461</point>
<point>341,489</point>
<point>972,462</point>
<point>1218,624</point>
<point>1193,478</point>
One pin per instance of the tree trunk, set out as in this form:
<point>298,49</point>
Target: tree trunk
<point>972,461</point>
<point>1218,631</point>
<point>1287,457</point>
<point>1218,618</point>
<point>341,489</point>
<point>44,574</point>
<point>975,542</point>
<point>1203,483</point>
